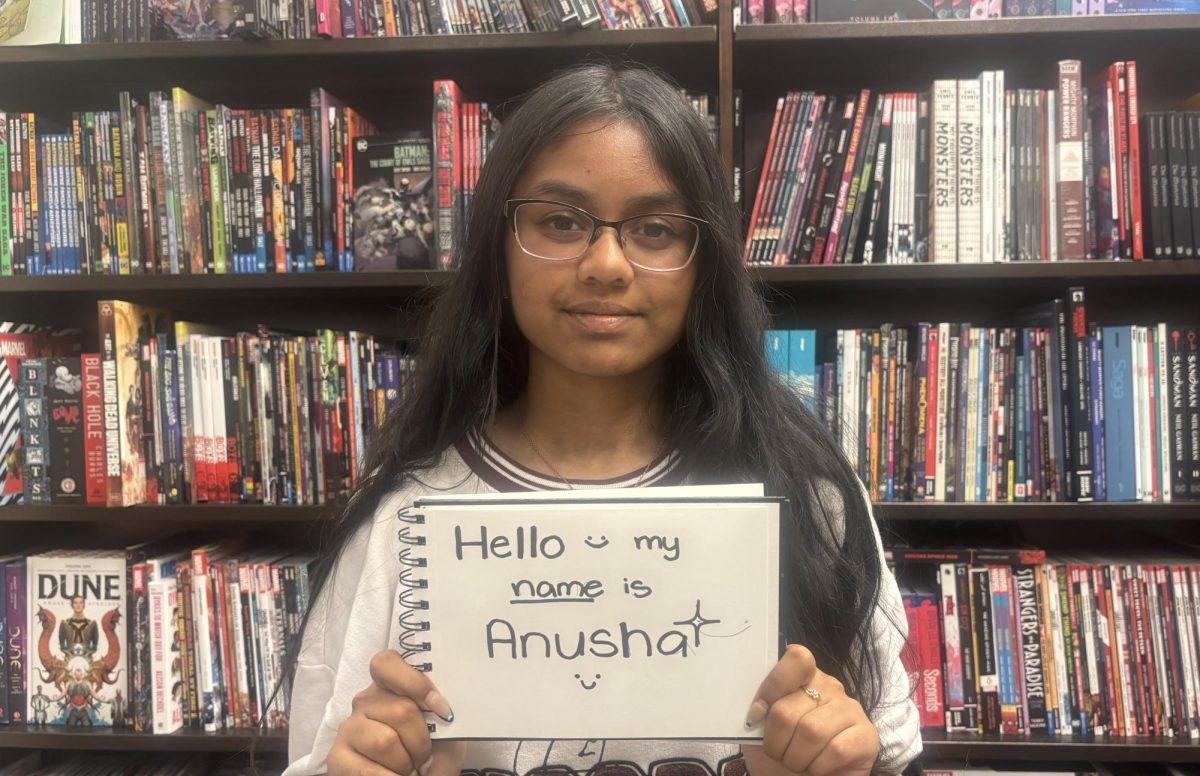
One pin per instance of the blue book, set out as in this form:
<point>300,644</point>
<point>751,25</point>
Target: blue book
<point>1117,357</point>
<point>775,344</point>
<point>1097,398</point>
<point>801,364</point>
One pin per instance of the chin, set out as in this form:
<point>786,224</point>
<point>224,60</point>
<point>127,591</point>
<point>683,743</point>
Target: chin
<point>602,364</point>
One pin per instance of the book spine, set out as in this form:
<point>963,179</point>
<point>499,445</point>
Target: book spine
<point>447,160</point>
<point>1032,662</point>
<point>843,190</point>
<point>1180,199</point>
<point>953,713</point>
<point>1192,382</point>
<point>1070,161</point>
<point>1137,232</point>
<point>945,172</point>
<point>14,650</point>
<point>982,630</point>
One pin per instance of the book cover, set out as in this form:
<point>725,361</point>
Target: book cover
<point>968,136</point>
<point>76,674</point>
<point>166,677</point>
<point>64,409</point>
<point>394,213</point>
<point>1069,157</point>
<point>944,217</point>
<point>124,327</point>
<point>34,431</point>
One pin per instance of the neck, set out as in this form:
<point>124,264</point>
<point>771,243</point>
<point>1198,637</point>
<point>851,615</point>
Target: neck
<point>584,427</point>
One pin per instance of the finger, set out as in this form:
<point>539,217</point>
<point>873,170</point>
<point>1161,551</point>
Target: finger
<point>391,672</point>
<point>344,761</point>
<point>447,760</point>
<point>813,732</point>
<point>850,753</point>
<point>794,670</point>
<point>404,718</point>
<point>379,743</point>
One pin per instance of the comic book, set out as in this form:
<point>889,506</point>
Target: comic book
<point>76,669</point>
<point>19,341</point>
<point>393,202</point>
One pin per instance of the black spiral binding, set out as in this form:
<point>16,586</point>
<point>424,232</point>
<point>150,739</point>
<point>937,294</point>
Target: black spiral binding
<point>411,606</point>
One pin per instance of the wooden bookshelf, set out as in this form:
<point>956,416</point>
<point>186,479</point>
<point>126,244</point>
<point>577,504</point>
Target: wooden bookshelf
<point>389,79</point>
<point>226,515</point>
<point>272,742</point>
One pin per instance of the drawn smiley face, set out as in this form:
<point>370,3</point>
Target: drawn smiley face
<point>585,685</point>
<point>599,544</point>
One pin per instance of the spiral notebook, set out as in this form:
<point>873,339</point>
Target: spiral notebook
<point>614,614</point>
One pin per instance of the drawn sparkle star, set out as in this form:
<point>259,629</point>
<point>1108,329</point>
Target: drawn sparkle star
<point>697,621</point>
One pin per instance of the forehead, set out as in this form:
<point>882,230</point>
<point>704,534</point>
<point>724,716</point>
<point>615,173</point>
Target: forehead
<point>606,163</point>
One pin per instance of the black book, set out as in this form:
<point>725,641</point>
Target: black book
<point>1152,174</point>
<point>1081,484</point>
<point>858,183</point>
<point>739,154</point>
<point>1181,222</point>
<point>981,611</point>
<point>806,211</point>
<point>1192,127</point>
<point>393,203</point>
<point>829,198</point>
<point>851,250</point>
<point>64,407</point>
<point>820,175</point>
<point>921,201</point>
<point>865,248</point>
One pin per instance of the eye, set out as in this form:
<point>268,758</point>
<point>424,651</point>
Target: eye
<point>563,221</point>
<point>654,230</point>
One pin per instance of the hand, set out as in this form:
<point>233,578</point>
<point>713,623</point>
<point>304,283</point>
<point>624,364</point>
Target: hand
<point>385,734</point>
<point>805,736</point>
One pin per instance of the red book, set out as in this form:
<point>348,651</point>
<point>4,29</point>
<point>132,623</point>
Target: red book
<point>93,430</point>
<point>447,159</point>
<point>1135,160</point>
<point>931,413</point>
<point>931,692</point>
<point>758,197</point>
<point>329,18</point>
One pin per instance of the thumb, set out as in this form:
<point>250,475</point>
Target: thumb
<point>760,763</point>
<point>447,759</point>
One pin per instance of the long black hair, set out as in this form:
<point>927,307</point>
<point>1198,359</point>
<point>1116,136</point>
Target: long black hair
<point>724,410</point>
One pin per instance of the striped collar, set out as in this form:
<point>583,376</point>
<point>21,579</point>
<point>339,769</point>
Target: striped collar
<point>501,472</point>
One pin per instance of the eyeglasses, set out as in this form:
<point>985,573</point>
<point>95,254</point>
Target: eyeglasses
<point>554,231</point>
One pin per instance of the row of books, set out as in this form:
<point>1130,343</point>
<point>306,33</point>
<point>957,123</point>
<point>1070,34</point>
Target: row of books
<point>1015,641</point>
<point>799,11</point>
<point>1052,410</point>
<point>157,637</point>
<point>172,412</point>
<point>181,186</point>
<point>974,172</point>
<point>130,21</point>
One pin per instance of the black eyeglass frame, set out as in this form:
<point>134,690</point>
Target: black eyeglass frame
<point>510,208</point>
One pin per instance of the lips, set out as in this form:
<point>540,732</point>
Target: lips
<point>601,317</point>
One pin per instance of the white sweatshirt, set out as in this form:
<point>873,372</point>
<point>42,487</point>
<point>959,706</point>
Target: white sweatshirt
<point>352,620</point>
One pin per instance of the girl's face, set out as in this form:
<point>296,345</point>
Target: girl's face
<point>599,315</point>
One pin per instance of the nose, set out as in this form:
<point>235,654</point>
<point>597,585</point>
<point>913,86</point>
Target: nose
<point>604,261</point>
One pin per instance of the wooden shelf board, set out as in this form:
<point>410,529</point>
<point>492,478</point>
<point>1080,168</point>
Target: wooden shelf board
<point>375,283</point>
<point>247,514</point>
<point>1110,748</point>
<point>201,514</point>
<point>107,739</point>
<point>1039,512</point>
<point>933,31</point>
<point>418,44</point>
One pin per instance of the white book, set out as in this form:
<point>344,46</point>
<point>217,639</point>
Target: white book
<point>1138,354</point>
<point>970,182</point>
<point>240,669</point>
<point>1182,603</point>
<point>265,420</point>
<point>908,193</point>
<point>952,644</point>
<point>1062,702</point>
<point>646,618</point>
<point>198,406</point>
<point>1164,414</point>
<point>215,390</point>
<point>76,608</point>
<point>944,172</point>
<point>943,358</point>
<point>166,676</point>
<point>1052,176</point>
<point>987,80</point>
<point>971,343</point>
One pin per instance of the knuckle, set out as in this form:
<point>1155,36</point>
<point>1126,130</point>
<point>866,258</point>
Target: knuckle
<point>380,662</point>
<point>800,653</point>
<point>835,684</point>
<point>407,713</point>
<point>810,728</point>
<point>784,716</point>
<point>360,697</point>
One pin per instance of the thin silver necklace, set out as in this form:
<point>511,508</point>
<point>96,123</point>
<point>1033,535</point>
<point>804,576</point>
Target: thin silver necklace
<point>558,474</point>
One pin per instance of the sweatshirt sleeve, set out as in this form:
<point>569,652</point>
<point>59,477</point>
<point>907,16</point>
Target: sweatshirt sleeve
<point>348,625</point>
<point>896,719</point>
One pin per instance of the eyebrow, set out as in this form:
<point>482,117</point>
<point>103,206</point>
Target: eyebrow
<point>659,200</point>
